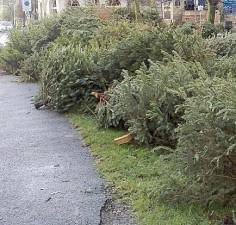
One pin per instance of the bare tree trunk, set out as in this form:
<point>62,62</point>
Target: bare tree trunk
<point>211,11</point>
<point>221,12</point>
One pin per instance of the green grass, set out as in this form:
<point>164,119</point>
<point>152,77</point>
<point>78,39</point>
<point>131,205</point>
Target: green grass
<point>137,175</point>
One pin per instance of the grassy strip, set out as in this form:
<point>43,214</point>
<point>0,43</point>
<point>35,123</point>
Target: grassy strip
<point>138,176</point>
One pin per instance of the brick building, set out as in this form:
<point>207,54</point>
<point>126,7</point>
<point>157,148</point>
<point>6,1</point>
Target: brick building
<point>171,11</point>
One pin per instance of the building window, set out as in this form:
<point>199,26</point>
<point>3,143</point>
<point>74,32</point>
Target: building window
<point>73,3</point>
<point>54,6</point>
<point>113,2</point>
<point>192,5</point>
<point>177,2</point>
<point>189,5</point>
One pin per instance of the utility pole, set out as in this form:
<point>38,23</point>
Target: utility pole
<point>12,7</point>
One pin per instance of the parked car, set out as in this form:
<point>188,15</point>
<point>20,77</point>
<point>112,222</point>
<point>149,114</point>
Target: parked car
<point>3,39</point>
<point>5,25</point>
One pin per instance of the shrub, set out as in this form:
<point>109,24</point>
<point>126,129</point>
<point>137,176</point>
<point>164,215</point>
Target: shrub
<point>131,52</point>
<point>209,30</point>
<point>76,61</point>
<point>112,32</point>
<point>138,47</point>
<point>222,67</point>
<point>30,68</point>
<point>66,78</point>
<point>79,24</point>
<point>192,47</point>
<point>23,41</point>
<point>27,43</point>
<point>206,144</point>
<point>223,46</point>
<point>187,28</point>
<point>51,29</point>
<point>151,15</point>
<point>16,50</point>
<point>148,15</point>
<point>147,102</point>
<point>10,59</point>
<point>124,13</point>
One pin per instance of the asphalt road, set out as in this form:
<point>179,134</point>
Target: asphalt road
<point>47,177</point>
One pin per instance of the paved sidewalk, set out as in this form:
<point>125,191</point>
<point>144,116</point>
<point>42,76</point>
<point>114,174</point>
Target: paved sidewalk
<point>46,176</point>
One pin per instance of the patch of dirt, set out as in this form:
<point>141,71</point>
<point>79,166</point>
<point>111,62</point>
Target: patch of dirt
<point>115,213</point>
